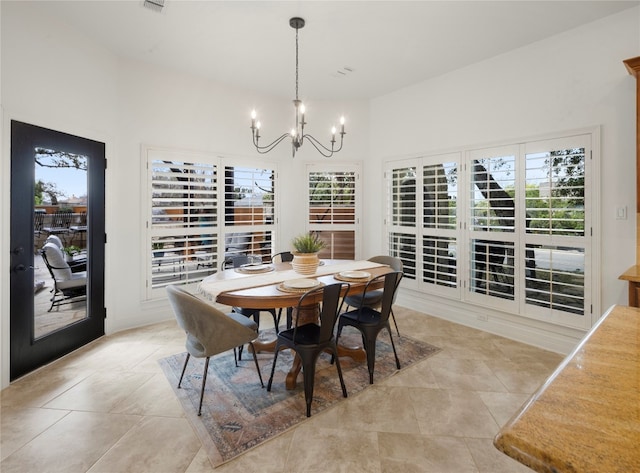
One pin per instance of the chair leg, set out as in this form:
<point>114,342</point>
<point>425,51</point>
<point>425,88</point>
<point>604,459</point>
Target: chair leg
<point>276,319</point>
<point>289,317</point>
<point>184,368</point>
<point>393,316</point>
<point>273,367</point>
<point>255,359</point>
<point>370,348</point>
<point>204,381</point>
<point>309,373</point>
<point>335,355</point>
<point>235,356</point>
<point>393,345</point>
<point>240,350</point>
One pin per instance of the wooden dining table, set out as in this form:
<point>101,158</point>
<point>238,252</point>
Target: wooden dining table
<point>236,288</point>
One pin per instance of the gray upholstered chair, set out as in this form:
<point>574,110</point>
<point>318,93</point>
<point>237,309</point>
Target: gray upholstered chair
<point>209,331</point>
<point>373,299</point>
<point>68,286</point>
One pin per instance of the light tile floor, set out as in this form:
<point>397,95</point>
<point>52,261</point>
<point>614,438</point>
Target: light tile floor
<point>109,408</point>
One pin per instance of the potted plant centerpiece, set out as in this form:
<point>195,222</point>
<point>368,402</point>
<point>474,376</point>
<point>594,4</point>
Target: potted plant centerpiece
<point>305,254</point>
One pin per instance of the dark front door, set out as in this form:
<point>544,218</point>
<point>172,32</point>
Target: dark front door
<point>57,245</point>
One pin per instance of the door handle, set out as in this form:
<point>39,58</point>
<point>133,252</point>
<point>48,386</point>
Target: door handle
<point>22,267</point>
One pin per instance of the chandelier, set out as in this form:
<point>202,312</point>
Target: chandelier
<point>297,134</point>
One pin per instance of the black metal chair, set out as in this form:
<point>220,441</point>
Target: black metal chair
<point>370,321</point>
<point>209,331</point>
<point>284,257</point>
<point>237,262</point>
<point>374,298</point>
<point>311,339</point>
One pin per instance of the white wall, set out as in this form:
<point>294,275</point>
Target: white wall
<point>57,78</point>
<point>574,80</point>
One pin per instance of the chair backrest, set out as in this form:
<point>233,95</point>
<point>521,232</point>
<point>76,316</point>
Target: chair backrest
<point>393,262</point>
<point>329,310</point>
<point>209,331</point>
<point>54,259</point>
<point>55,240</point>
<point>283,257</point>
<point>237,261</point>
<point>390,286</point>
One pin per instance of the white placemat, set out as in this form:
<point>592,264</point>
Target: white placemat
<point>211,286</point>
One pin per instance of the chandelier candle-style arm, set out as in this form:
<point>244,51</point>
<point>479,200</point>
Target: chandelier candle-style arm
<point>297,133</point>
<point>329,152</point>
<point>255,132</point>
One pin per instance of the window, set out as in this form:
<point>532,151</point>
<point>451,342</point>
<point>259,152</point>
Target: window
<point>492,226</point>
<point>558,209</point>
<point>333,210</point>
<point>427,245</point>
<point>440,221</point>
<point>403,205</point>
<point>203,209</point>
<point>183,223</point>
<point>248,211</point>
<point>524,245</point>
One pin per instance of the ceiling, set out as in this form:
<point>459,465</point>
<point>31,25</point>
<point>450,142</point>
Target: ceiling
<point>386,45</point>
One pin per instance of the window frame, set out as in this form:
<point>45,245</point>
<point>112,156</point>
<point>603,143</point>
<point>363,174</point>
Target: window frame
<point>465,233</point>
<point>310,226</point>
<point>218,231</point>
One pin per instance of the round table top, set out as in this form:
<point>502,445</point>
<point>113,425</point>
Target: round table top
<point>269,296</point>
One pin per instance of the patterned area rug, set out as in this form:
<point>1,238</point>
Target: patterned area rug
<point>237,414</point>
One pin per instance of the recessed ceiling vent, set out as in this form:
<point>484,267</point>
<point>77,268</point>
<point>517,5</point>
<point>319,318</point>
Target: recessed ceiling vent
<point>345,71</point>
<point>155,5</point>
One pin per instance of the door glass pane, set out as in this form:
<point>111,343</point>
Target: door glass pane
<point>60,240</point>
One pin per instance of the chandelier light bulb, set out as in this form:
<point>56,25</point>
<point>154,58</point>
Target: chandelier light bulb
<point>253,114</point>
<point>302,108</point>
<point>342,120</point>
<point>293,132</point>
<point>258,125</point>
<point>333,130</point>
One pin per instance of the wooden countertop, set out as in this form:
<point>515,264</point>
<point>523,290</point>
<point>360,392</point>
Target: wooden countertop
<point>586,416</point>
<point>631,274</point>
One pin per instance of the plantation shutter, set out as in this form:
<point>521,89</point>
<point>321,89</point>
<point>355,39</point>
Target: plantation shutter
<point>248,211</point>
<point>402,208</point>
<point>557,249</point>
<point>492,224</point>
<point>439,221</point>
<point>183,224</point>
<point>525,245</point>
<point>333,208</point>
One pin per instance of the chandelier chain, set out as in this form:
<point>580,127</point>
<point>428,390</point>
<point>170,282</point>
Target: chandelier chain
<point>296,63</point>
